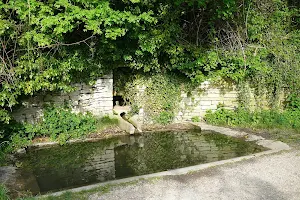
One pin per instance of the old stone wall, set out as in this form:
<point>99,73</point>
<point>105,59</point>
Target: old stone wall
<point>97,99</point>
<point>207,97</point>
<point>203,98</point>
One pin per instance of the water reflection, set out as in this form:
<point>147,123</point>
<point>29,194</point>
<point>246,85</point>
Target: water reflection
<point>78,164</point>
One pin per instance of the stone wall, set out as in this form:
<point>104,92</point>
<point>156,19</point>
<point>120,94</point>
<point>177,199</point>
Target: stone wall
<point>97,99</point>
<point>206,98</point>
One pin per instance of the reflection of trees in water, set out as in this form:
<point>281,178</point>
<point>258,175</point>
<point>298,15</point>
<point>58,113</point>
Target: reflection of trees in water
<point>69,165</point>
<point>88,162</point>
<point>237,145</point>
<point>156,152</point>
<point>153,152</point>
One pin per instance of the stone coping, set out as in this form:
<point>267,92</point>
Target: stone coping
<point>273,146</point>
<point>270,144</point>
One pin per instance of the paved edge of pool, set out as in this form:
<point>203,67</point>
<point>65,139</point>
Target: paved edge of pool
<point>274,146</point>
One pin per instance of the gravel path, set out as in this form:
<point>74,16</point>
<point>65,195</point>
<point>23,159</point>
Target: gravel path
<point>272,177</point>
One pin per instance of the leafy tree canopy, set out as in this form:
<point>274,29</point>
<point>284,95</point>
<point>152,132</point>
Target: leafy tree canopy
<point>46,45</point>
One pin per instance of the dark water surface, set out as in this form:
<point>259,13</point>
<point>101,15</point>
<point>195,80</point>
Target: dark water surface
<point>79,164</point>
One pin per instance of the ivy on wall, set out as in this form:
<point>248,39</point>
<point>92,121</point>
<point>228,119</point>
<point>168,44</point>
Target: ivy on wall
<point>159,95</point>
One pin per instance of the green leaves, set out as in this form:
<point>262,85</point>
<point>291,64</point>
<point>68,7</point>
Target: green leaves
<point>265,119</point>
<point>4,116</point>
<point>50,44</point>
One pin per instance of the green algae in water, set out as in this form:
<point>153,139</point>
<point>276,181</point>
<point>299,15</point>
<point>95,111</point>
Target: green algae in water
<point>78,164</point>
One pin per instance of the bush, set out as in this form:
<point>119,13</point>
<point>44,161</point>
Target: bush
<point>60,124</point>
<point>164,117</point>
<point>293,102</point>
<point>196,119</point>
<point>58,120</point>
<point>258,119</point>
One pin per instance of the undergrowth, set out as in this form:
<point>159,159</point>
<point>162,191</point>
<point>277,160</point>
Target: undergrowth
<point>260,119</point>
<point>3,193</point>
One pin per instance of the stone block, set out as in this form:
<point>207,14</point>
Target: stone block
<point>105,94</point>
<point>187,101</point>
<point>97,95</point>
<point>98,89</point>
<point>213,107</point>
<point>216,102</point>
<point>213,91</point>
<point>74,94</point>
<point>231,95</point>
<point>208,98</point>
<point>106,104</point>
<point>107,76</point>
<point>83,97</point>
<point>215,95</point>
<point>180,113</point>
<point>109,151</point>
<point>60,99</point>
<point>205,103</point>
<point>85,102</point>
<point>74,103</point>
<point>204,108</point>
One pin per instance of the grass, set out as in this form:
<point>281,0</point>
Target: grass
<point>3,193</point>
<point>5,196</point>
<point>277,125</point>
<point>105,122</point>
<point>288,136</point>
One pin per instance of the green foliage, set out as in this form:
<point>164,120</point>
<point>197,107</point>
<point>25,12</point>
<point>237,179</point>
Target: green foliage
<point>3,193</point>
<point>293,102</point>
<point>19,140</point>
<point>59,124</point>
<point>160,97</point>
<point>4,116</point>
<point>196,119</point>
<point>61,120</point>
<point>289,119</point>
<point>165,117</point>
<point>50,44</point>
<point>62,124</point>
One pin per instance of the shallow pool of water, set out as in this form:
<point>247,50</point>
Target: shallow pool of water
<point>78,164</point>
